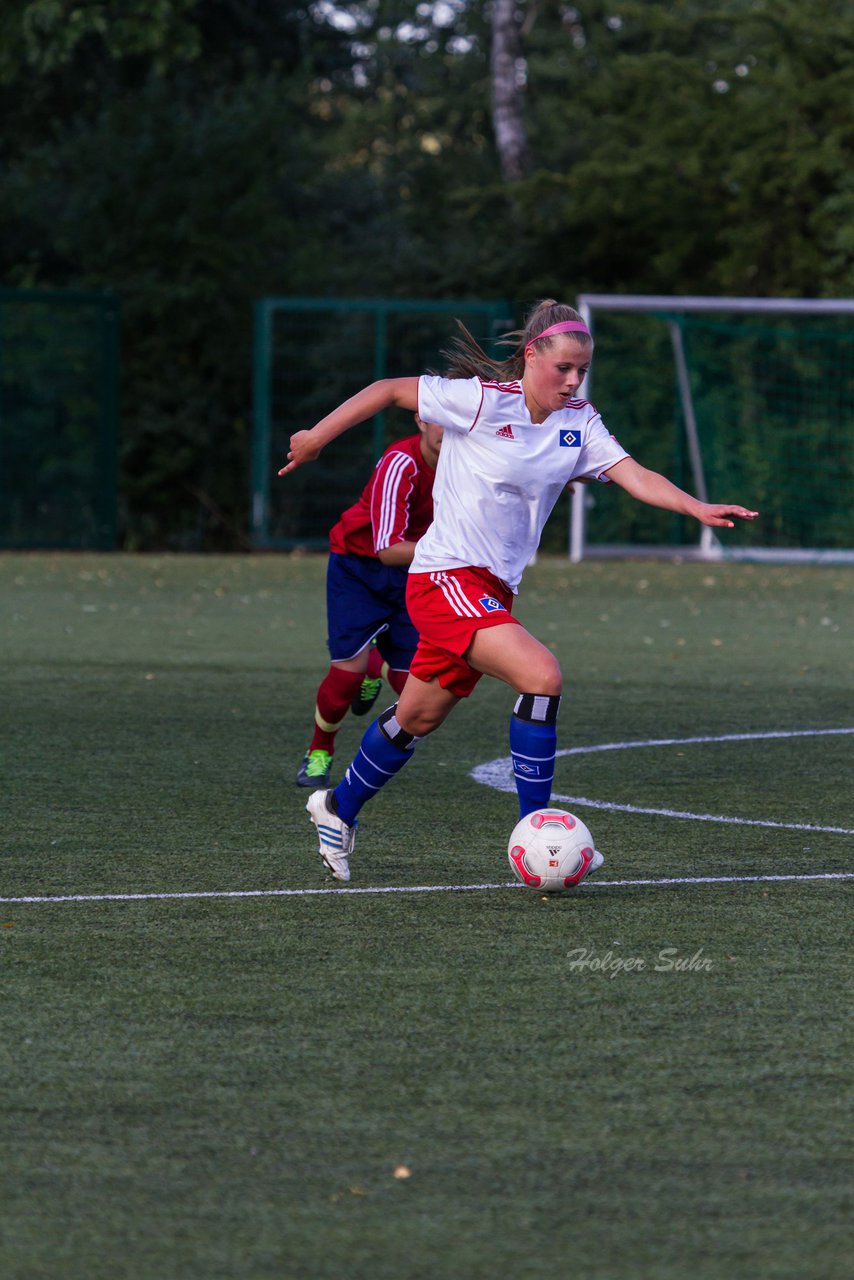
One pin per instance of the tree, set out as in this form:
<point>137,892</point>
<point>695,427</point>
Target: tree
<point>510,137</point>
<point>184,179</point>
<point>196,156</point>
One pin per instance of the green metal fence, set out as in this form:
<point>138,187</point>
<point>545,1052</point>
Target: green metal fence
<point>59,378</point>
<point>312,353</point>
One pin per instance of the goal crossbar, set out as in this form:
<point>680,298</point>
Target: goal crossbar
<point>588,302</point>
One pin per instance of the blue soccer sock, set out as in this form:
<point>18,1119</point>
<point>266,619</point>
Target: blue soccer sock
<point>383,751</point>
<point>533,747</point>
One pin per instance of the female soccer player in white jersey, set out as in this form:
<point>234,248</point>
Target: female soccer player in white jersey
<point>515,434</point>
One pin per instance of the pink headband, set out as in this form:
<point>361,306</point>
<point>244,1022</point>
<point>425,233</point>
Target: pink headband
<point>564,326</point>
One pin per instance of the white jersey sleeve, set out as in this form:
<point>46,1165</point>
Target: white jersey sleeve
<point>599,451</point>
<point>452,403</point>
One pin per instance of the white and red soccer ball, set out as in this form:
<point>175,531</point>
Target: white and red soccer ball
<point>551,850</point>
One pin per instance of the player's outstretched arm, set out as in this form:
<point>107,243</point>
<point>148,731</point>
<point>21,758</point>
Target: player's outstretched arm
<point>305,446</point>
<point>657,491</point>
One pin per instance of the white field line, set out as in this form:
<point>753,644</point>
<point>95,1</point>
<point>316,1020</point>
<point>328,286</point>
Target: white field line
<point>703,817</point>
<point>412,888</point>
<point>498,774</point>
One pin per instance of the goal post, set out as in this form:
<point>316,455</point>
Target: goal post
<point>745,400</point>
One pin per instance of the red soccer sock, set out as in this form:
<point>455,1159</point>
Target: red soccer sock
<point>397,679</point>
<point>337,690</point>
<point>378,669</point>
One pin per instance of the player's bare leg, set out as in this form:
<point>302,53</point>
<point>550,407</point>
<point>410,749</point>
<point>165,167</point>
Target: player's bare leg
<point>510,653</point>
<point>423,706</point>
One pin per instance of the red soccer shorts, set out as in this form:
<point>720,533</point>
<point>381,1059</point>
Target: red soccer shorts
<point>447,609</point>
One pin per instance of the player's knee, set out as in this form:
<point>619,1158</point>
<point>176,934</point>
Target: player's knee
<point>420,723</point>
<point>420,720</point>
<point>543,677</point>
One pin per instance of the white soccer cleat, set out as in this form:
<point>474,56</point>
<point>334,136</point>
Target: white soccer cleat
<point>591,860</point>
<point>597,862</point>
<point>336,838</point>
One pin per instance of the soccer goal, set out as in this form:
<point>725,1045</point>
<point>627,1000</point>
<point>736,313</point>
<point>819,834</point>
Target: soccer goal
<point>744,400</point>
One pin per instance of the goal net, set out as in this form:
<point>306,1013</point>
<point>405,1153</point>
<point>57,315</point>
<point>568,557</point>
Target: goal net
<point>737,400</point>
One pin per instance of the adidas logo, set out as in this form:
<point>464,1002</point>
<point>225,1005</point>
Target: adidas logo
<point>505,433</point>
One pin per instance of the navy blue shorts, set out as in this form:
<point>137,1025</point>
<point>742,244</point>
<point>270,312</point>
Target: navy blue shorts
<point>366,600</point>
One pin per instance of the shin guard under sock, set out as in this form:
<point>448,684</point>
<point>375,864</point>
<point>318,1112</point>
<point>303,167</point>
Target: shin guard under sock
<point>337,690</point>
<point>533,747</point>
<point>384,750</point>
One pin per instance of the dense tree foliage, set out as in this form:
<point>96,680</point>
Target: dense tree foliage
<point>195,156</point>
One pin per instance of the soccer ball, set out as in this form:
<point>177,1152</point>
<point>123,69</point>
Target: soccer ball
<point>551,850</point>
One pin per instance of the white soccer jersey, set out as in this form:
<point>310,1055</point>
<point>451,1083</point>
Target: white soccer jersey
<point>500,474</point>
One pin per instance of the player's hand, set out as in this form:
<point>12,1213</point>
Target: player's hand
<point>716,513</point>
<point>303,448</point>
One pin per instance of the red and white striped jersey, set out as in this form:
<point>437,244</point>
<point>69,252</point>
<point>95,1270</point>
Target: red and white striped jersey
<point>500,474</point>
<point>396,504</point>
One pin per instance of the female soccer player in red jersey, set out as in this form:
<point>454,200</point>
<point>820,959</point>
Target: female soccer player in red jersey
<point>370,550</point>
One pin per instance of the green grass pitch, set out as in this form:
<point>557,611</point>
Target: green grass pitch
<point>447,1085</point>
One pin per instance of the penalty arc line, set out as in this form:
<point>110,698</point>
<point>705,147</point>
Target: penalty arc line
<point>341,892</point>
<point>498,774</point>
